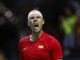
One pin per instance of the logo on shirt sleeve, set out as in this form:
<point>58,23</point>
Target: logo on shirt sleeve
<point>24,49</point>
<point>40,46</point>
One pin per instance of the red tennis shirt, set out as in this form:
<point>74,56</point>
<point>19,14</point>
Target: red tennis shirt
<point>44,48</point>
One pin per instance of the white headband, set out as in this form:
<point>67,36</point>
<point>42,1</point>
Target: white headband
<point>34,12</point>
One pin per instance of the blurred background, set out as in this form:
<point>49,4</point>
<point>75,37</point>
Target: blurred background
<point>62,20</point>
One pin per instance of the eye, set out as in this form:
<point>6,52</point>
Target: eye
<point>38,17</point>
<point>31,17</point>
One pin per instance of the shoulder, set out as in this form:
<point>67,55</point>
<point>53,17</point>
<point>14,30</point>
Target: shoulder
<point>50,38</point>
<point>22,40</point>
<point>52,42</point>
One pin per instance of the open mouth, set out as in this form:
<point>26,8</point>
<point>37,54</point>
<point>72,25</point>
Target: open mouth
<point>36,26</point>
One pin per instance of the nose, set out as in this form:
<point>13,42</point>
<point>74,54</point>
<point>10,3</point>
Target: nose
<point>35,20</point>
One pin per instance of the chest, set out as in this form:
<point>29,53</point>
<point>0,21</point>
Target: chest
<point>36,51</point>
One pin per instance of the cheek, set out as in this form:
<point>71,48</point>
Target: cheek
<point>30,23</point>
<point>41,23</point>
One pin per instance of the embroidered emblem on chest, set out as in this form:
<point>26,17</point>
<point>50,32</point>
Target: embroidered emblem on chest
<point>40,46</point>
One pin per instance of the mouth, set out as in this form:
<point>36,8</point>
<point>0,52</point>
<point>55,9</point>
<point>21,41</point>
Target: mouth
<point>36,26</point>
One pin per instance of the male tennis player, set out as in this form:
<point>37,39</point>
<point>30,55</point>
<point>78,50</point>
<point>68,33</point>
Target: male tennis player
<point>39,45</point>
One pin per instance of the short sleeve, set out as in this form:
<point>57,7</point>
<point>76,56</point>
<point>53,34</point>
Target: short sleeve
<point>20,53</point>
<point>55,49</point>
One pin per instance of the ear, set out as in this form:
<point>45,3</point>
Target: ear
<point>43,21</point>
<point>28,23</point>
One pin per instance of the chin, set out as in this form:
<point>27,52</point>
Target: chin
<point>37,31</point>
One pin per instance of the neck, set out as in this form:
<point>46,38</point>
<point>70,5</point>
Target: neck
<point>35,36</point>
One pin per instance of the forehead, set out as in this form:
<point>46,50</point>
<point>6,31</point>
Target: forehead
<point>35,15</point>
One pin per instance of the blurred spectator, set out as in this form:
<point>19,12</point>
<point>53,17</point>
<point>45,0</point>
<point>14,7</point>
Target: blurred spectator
<point>75,4</point>
<point>67,26</point>
<point>77,28</point>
